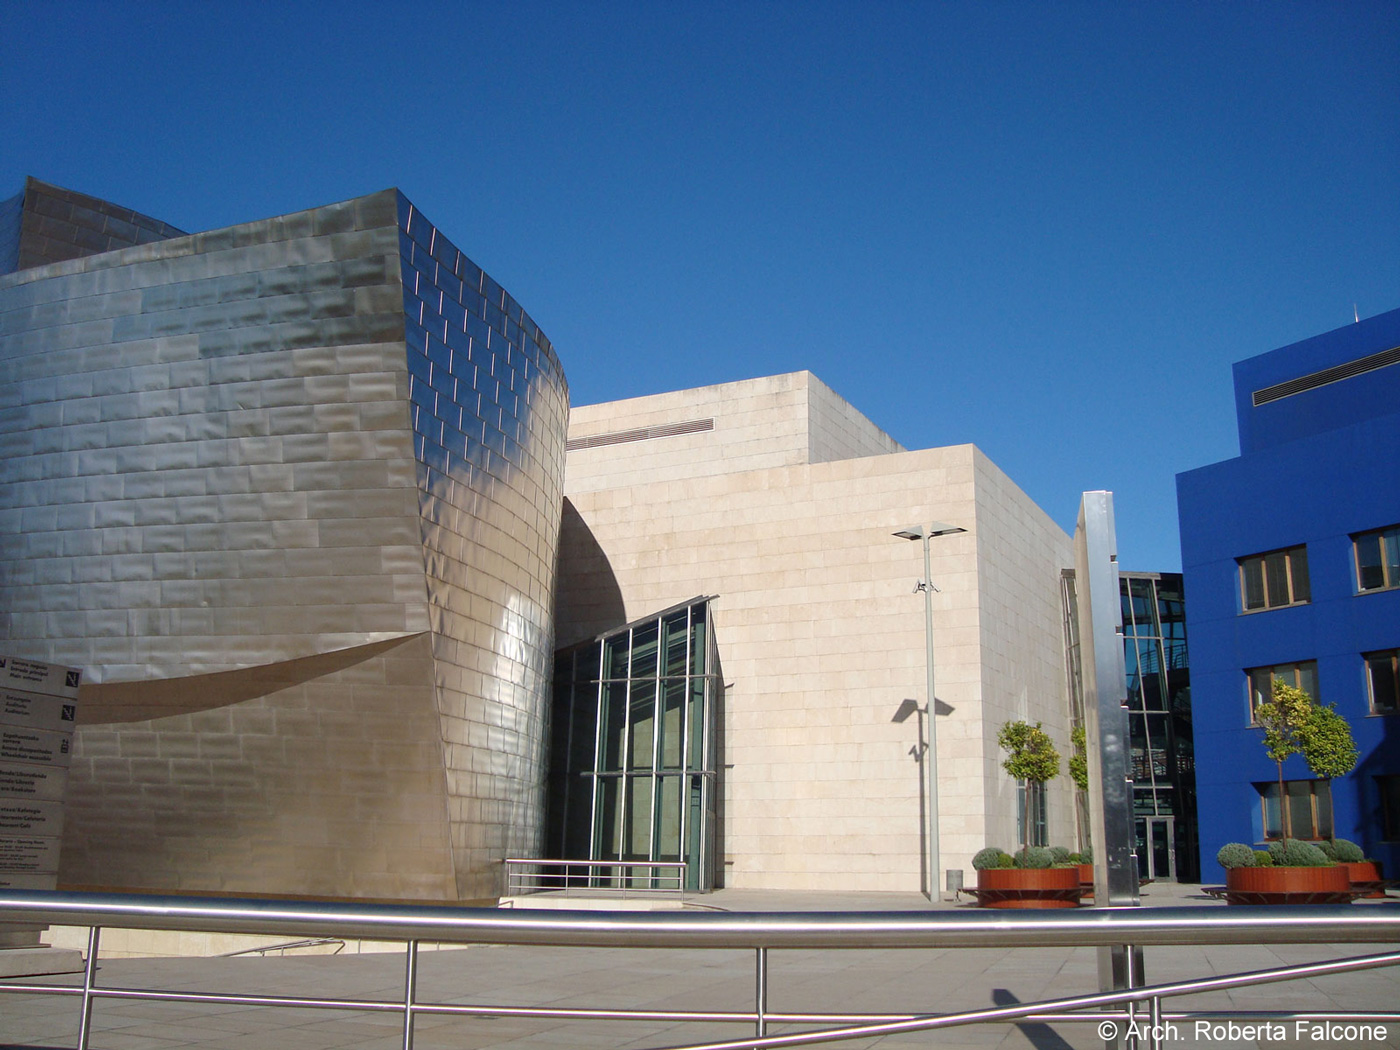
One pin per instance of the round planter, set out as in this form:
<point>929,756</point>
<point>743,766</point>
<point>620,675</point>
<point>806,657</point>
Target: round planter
<point>1361,872</point>
<point>1028,888</point>
<point>1328,885</point>
<point>1086,880</point>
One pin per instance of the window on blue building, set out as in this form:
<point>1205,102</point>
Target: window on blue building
<point>1389,787</point>
<point>1275,579</point>
<point>1261,682</point>
<point>1307,807</point>
<point>1383,679</point>
<point>1377,559</point>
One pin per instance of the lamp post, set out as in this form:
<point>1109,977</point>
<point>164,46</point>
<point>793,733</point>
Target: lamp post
<point>925,532</point>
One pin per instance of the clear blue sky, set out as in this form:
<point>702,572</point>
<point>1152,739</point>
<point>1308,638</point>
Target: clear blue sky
<point>1045,228</point>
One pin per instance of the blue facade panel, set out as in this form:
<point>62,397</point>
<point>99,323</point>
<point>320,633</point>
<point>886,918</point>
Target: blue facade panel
<point>1318,467</point>
<point>1326,407</point>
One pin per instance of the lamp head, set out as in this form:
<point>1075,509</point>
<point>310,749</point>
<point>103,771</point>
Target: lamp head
<point>934,528</point>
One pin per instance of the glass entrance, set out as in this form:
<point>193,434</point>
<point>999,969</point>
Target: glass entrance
<point>632,777</point>
<point>1156,849</point>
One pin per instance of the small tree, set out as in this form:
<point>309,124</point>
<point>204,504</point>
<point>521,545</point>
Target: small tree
<point>1284,718</point>
<point>1329,750</point>
<point>1079,760</point>
<point>1030,756</point>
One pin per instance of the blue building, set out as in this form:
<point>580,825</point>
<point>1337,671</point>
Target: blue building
<point>1291,556</point>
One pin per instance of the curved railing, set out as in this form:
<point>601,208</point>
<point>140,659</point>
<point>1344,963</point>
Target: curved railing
<point>1130,1009</point>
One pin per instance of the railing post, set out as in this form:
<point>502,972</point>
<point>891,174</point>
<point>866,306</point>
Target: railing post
<point>1154,1005</point>
<point>89,979</point>
<point>1132,979</point>
<point>760,992</point>
<point>410,993</point>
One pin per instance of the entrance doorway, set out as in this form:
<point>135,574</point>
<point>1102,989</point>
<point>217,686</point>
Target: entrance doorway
<point>1156,848</point>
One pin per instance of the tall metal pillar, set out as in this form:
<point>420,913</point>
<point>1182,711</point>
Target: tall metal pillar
<point>1100,616</point>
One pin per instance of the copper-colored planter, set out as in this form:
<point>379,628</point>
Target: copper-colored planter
<point>1028,888</point>
<point>1327,885</point>
<point>1086,880</point>
<point>1362,872</point>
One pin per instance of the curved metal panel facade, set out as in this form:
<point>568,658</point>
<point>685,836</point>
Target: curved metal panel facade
<point>228,454</point>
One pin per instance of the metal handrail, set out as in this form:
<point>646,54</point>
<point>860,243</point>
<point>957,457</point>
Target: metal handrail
<point>757,931</point>
<point>621,877</point>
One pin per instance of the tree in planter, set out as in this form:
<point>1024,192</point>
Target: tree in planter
<point>1079,773</point>
<point>1079,761</point>
<point>1329,750</point>
<point>1284,718</point>
<point>1030,756</point>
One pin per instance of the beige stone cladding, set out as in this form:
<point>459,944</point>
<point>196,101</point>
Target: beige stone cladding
<point>775,421</point>
<point>821,639</point>
<point>236,467</point>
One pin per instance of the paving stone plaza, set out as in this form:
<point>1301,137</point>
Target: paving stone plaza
<point>933,981</point>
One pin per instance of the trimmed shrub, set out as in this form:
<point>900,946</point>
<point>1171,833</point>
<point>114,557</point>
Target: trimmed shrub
<point>1035,857</point>
<point>1262,859</point>
<point>1086,855</point>
<point>1060,854</point>
<point>1328,847</point>
<point>988,858</point>
<point>1235,855</point>
<point>1348,852</point>
<point>1295,853</point>
<point>1077,858</point>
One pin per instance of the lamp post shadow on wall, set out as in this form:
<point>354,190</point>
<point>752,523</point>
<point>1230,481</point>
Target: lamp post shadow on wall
<point>919,752</point>
<point>925,533</point>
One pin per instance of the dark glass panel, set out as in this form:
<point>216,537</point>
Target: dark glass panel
<point>614,725</point>
<point>698,696</point>
<point>672,722</point>
<point>615,653</point>
<point>1389,788</point>
<point>694,829</point>
<point>1381,669</point>
<point>1144,605</point>
<point>1261,688</point>
<point>1252,573</point>
<point>1300,810</point>
<point>1370,569</point>
<point>644,646</point>
<point>1272,823</point>
<point>1305,678</point>
<point>668,821</point>
<point>675,643</point>
<point>636,843</point>
<point>1161,848</point>
<point>607,842</point>
<point>1391,542</point>
<point>1276,578</point>
<point>641,719</point>
<point>699,641</point>
<point>583,727</point>
<point>1134,676</point>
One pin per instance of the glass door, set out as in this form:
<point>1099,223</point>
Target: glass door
<point>1156,848</point>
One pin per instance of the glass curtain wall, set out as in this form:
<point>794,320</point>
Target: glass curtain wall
<point>1159,719</point>
<point>1159,722</point>
<point>632,772</point>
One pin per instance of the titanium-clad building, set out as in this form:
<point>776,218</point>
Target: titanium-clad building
<point>289,493</point>
<point>292,494</point>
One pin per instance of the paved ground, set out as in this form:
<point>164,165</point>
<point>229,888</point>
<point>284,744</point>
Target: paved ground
<point>856,981</point>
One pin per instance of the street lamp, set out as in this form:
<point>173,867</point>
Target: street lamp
<point>925,532</point>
